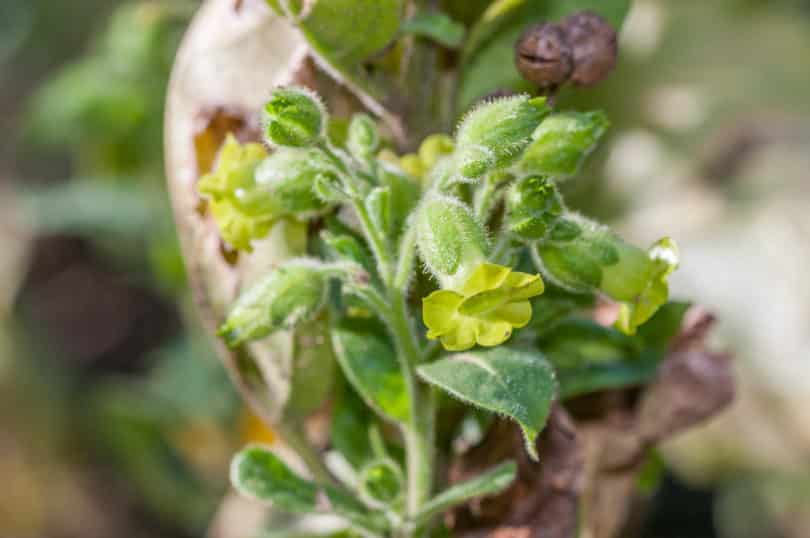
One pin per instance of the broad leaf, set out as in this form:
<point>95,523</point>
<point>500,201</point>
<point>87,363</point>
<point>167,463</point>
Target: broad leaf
<point>370,364</point>
<point>259,474</point>
<point>348,32</point>
<point>589,357</point>
<point>491,482</point>
<point>351,421</point>
<point>488,58</point>
<point>436,26</point>
<point>518,384</point>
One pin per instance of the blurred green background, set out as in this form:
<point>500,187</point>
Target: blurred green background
<point>117,420</point>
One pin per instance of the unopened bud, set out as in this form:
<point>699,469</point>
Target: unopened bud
<point>363,138</point>
<point>381,483</point>
<point>286,181</point>
<point>294,117</point>
<point>292,293</point>
<point>495,133</point>
<point>451,242</point>
<point>533,205</point>
<point>562,142</point>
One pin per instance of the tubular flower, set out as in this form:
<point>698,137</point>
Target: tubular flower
<point>492,302</point>
<point>234,171</point>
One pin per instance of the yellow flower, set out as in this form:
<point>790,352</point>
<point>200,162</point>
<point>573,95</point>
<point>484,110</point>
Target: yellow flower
<point>234,172</point>
<point>493,301</point>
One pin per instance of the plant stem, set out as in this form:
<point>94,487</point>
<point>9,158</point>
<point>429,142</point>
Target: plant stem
<point>419,433</point>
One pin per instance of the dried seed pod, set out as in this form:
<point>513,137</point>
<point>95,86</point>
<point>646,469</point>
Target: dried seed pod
<point>593,44</point>
<point>543,55</point>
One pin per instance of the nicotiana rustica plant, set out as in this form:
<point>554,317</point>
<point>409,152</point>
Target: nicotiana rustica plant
<point>483,216</point>
<point>391,293</point>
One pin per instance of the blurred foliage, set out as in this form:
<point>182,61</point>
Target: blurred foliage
<point>164,431</point>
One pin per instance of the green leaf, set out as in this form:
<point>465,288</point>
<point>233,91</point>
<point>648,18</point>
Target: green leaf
<point>370,364</point>
<point>490,482</point>
<point>518,384</point>
<point>259,474</point>
<point>436,26</point>
<point>596,377</point>
<point>313,371</point>
<point>381,483</point>
<point>488,57</point>
<point>348,32</point>
<point>351,420</point>
<point>664,326</point>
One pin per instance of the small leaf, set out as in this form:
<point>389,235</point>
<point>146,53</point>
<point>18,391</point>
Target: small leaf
<point>259,474</point>
<point>351,420</point>
<point>518,384</point>
<point>436,26</point>
<point>490,482</point>
<point>370,364</point>
<point>381,483</point>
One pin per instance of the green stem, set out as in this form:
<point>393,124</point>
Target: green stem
<point>419,432</point>
<point>378,244</point>
<point>297,441</point>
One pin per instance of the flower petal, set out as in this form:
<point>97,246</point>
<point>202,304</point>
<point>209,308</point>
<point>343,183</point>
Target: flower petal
<point>462,337</point>
<point>517,313</point>
<point>524,285</point>
<point>440,311</point>
<point>487,276</point>
<point>492,333</point>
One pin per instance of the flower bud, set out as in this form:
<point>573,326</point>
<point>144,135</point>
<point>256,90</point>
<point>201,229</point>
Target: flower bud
<point>451,242</point>
<point>285,183</point>
<point>533,205</point>
<point>562,142</point>
<point>292,293</point>
<point>294,117</point>
<point>495,133</point>
<point>363,138</point>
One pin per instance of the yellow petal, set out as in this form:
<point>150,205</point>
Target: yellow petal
<point>487,276</point>
<point>462,337</point>
<point>440,311</point>
<point>524,285</point>
<point>492,333</point>
<point>517,314</point>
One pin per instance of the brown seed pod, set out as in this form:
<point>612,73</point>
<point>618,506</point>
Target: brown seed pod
<point>543,55</point>
<point>593,44</point>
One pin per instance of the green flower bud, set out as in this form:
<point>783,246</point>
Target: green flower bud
<point>576,251</point>
<point>562,142</point>
<point>285,183</point>
<point>451,242</point>
<point>381,483</point>
<point>292,293</point>
<point>363,138</point>
<point>533,205</point>
<point>294,117</point>
<point>494,134</point>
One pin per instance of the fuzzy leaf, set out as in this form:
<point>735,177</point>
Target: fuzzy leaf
<point>347,32</point>
<point>371,366</point>
<point>490,482</point>
<point>518,384</point>
<point>436,26</point>
<point>259,474</point>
